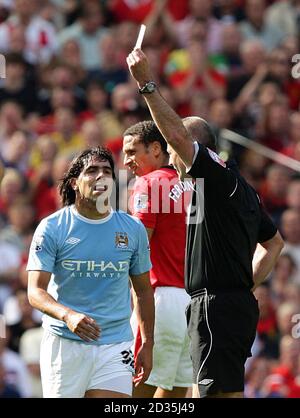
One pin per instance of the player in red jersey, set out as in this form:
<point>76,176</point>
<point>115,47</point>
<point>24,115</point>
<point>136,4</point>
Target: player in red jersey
<point>158,200</point>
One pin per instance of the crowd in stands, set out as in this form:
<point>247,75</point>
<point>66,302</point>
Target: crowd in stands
<point>67,87</point>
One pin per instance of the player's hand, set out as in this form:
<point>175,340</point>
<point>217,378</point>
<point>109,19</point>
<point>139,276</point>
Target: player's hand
<point>143,364</point>
<point>82,325</point>
<point>139,67</point>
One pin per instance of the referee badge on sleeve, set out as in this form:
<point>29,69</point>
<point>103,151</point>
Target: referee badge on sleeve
<point>216,158</point>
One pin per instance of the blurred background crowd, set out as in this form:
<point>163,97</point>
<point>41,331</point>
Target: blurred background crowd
<point>67,87</point>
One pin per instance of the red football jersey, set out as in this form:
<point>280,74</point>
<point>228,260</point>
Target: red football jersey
<point>160,200</point>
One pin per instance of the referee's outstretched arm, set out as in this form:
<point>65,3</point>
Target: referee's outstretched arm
<point>166,119</point>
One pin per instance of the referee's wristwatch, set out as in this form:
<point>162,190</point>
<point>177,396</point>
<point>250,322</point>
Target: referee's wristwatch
<point>148,88</point>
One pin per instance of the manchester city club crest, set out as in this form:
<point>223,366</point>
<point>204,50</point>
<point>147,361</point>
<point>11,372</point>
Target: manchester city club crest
<point>121,240</point>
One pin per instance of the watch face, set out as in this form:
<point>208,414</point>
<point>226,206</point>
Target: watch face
<point>148,88</point>
<point>151,87</point>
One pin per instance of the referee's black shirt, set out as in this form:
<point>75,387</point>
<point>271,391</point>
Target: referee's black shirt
<point>222,237</point>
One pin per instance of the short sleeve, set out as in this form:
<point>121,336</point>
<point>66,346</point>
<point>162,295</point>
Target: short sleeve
<point>209,166</point>
<point>267,229</point>
<point>140,262</point>
<point>42,253</point>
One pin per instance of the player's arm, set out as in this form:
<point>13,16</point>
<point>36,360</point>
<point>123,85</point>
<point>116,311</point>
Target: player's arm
<point>144,307</point>
<point>265,257</point>
<point>166,119</point>
<point>82,325</point>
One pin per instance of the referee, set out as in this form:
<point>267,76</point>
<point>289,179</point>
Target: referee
<point>232,246</point>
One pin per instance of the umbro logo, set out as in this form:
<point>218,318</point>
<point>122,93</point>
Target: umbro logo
<point>206,382</point>
<point>72,240</point>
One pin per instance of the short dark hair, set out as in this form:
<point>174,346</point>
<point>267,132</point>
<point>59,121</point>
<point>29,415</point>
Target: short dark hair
<point>148,133</point>
<point>66,191</point>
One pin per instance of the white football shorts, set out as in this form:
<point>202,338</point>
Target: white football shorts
<point>172,365</point>
<point>69,368</point>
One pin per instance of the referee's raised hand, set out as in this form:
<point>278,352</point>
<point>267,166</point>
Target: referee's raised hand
<point>139,67</point>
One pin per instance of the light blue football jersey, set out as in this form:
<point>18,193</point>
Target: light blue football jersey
<point>90,261</point>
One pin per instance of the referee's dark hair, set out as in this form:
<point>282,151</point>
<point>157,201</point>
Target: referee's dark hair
<point>201,131</point>
<point>148,133</point>
<point>66,190</point>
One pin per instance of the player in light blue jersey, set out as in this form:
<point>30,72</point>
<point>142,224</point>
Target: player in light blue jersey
<point>79,266</point>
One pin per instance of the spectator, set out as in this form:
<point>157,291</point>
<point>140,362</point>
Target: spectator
<point>27,321</point>
<point>138,11</point>
<point>10,263</point>
<point>30,342</point>
<point>279,71</point>
<point>87,31</point>
<point>252,54</point>
<point>283,274</point>
<point>273,191</point>
<point>275,131</point>
<point>11,120</point>
<point>285,15</point>
<point>17,153</point>
<point>62,76</point>
<point>293,194</point>
<point>220,117</point>
<point>201,11</point>
<point>11,190</point>
<point>189,70</point>
<point>40,35</point>
<point>230,52</point>
<point>290,226</point>
<point>6,390</point>
<point>292,149</point>
<point>259,370</point>
<point>285,372</point>
<point>124,100</point>
<point>267,328</point>
<point>256,27</point>
<point>92,134</point>
<point>16,373</point>
<point>110,72</point>
<point>284,314</point>
<point>71,55</point>
<point>97,100</point>
<point>65,133</point>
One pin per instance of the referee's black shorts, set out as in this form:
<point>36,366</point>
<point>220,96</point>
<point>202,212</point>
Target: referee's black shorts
<point>222,328</point>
